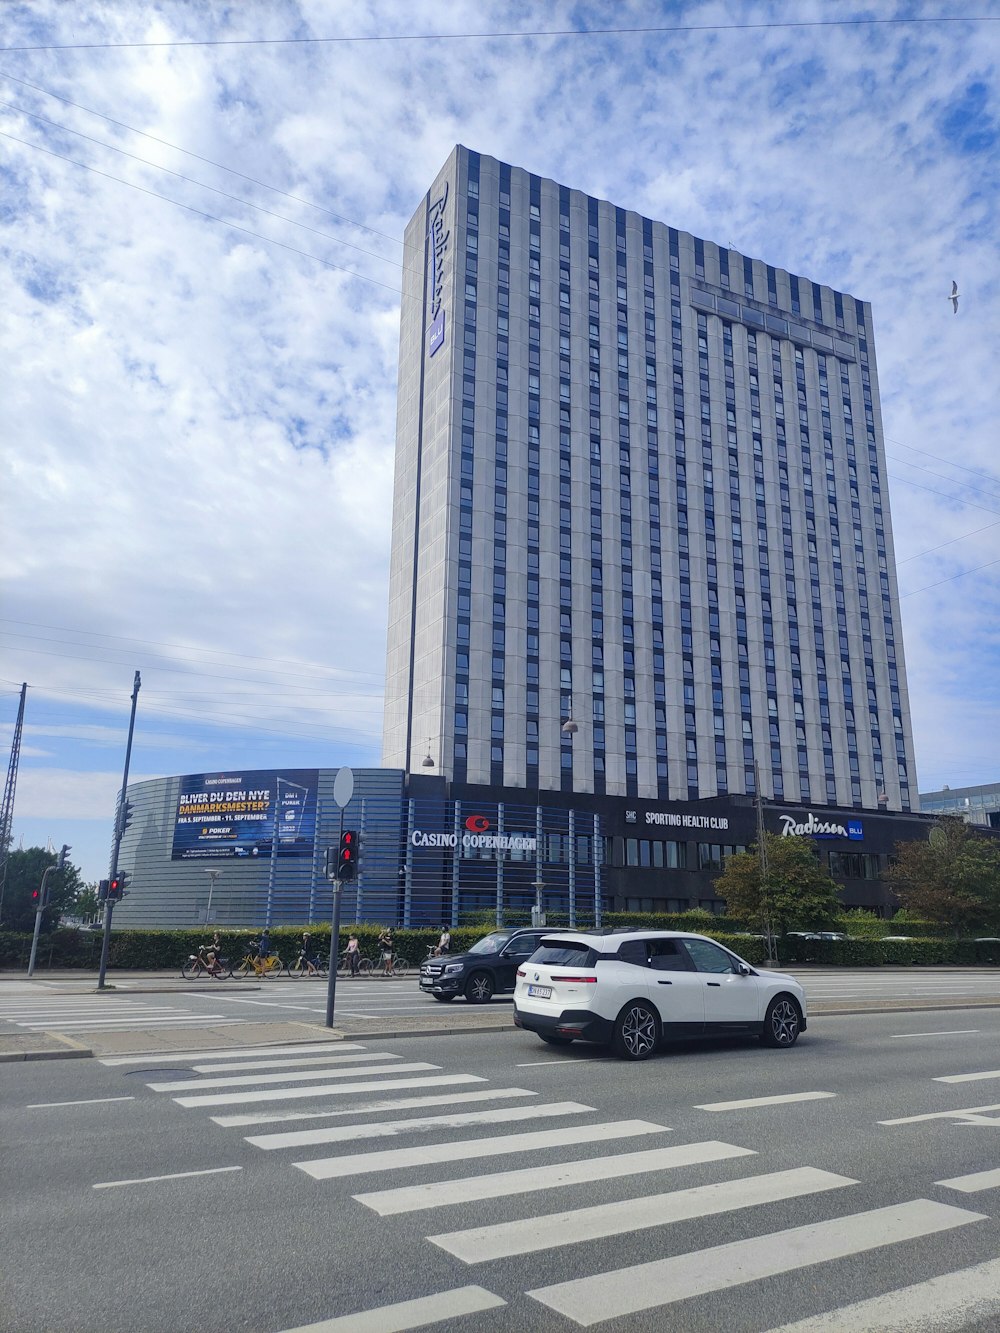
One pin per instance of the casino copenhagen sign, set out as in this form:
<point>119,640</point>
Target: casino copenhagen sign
<point>475,839</point>
<point>439,238</point>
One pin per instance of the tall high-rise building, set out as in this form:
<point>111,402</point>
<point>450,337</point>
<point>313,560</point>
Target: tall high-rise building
<point>641,488</point>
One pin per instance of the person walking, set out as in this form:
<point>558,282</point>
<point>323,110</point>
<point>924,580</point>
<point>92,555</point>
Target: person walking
<point>307,954</point>
<point>386,946</point>
<point>353,955</point>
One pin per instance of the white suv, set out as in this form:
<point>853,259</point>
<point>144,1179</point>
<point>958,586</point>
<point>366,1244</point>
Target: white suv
<point>629,988</point>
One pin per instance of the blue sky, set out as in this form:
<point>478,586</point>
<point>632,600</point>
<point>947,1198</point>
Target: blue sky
<point>197,416</point>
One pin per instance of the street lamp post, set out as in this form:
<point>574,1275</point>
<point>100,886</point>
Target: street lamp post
<point>213,875</point>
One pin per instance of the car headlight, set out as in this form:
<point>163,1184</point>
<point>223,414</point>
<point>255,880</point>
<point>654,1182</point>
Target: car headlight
<point>452,968</point>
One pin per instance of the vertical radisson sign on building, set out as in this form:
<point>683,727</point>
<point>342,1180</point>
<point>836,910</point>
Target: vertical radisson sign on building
<point>439,236</point>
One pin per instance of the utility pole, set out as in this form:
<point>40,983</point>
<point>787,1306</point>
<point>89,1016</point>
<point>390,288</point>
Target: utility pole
<point>7,811</point>
<point>109,905</point>
<point>765,890</point>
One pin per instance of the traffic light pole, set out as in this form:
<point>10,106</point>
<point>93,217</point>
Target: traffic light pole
<point>331,984</point>
<point>109,905</point>
<point>38,918</point>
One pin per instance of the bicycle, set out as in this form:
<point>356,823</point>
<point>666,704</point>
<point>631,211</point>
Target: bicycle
<point>198,963</point>
<point>344,965</point>
<point>271,966</point>
<point>400,967</point>
<point>307,967</point>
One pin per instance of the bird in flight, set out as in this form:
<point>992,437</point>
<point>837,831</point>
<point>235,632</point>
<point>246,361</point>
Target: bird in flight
<point>953,298</point>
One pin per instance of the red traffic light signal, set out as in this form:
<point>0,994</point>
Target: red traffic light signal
<point>36,895</point>
<point>347,862</point>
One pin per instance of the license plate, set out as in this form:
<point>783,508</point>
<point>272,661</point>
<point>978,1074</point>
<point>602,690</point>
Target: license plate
<point>541,992</point>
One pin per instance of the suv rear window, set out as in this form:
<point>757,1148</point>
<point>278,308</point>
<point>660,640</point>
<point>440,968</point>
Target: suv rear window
<point>565,953</point>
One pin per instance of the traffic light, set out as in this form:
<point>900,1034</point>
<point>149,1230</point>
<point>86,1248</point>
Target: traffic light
<point>102,890</point>
<point>61,862</point>
<point>125,813</point>
<point>117,887</point>
<point>347,862</point>
<point>36,897</point>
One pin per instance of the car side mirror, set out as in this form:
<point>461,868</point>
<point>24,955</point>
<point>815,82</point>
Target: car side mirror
<point>744,969</point>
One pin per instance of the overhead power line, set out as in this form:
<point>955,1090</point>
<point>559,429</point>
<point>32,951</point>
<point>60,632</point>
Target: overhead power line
<point>202,185</point>
<point>199,212</point>
<point>510,34</point>
<point>220,166</point>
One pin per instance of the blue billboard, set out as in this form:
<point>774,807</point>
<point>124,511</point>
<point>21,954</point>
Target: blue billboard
<point>242,814</point>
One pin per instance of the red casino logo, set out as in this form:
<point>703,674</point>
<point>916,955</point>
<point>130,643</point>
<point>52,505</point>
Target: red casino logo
<point>477,823</point>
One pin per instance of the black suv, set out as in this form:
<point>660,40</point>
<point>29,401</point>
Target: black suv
<point>488,969</point>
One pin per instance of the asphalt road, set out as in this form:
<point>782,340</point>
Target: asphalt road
<point>843,1171</point>
<point>56,1004</point>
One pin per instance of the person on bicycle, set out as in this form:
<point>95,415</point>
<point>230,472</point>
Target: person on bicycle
<point>386,946</point>
<point>353,954</point>
<point>444,943</point>
<point>264,945</point>
<point>213,951</point>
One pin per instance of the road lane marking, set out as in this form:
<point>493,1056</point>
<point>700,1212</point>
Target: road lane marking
<point>751,1102</point>
<point>325,1090</point>
<point>952,1032</point>
<point>648,1286</point>
<point>979,1180</point>
<point>90,1101</point>
<point>940,1115</point>
<point>405,1315</point>
<point>178,1175</point>
<point>235,1052</point>
<point>382,1104</point>
<point>531,1234</point>
<point>554,1060</point>
<point>501,1184</point>
<point>969,1078</point>
<point>945,1304</point>
<point>387,1128</point>
<point>393,1159</point>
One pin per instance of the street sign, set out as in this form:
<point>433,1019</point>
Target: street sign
<point>343,787</point>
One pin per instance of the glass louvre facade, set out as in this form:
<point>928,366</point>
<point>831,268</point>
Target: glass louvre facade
<point>426,857</point>
<point>640,483</point>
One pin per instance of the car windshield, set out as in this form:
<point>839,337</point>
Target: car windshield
<point>491,943</point>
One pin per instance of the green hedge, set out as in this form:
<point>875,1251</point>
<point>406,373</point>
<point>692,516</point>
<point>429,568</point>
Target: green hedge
<point>169,949</point>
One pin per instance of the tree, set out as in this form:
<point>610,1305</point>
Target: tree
<point>24,874</point>
<point>952,878</point>
<point>799,893</point>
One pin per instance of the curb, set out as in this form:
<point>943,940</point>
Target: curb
<point>11,1058</point>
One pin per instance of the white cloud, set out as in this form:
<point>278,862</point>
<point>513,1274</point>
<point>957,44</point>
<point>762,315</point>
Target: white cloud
<point>199,424</point>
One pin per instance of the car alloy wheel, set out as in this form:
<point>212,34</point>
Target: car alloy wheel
<point>479,988</point>
<point>782,1023</point>
<point>637,1032</point>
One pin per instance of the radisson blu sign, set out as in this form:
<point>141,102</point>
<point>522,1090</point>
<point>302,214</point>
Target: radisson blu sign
<point>439,236</point>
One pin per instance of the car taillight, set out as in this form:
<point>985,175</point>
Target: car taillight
<point>521,972</point>
<point>589,980</point>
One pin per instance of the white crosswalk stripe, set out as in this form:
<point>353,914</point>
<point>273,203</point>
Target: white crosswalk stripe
<point>77,1014</point>
<point>348,1089</point>
<point>526,1180</point>
<point>298,1075</point>
<point>945,1304</point>
<point>614,1219</point>
<point>379,1104</point>
<point>393,1159</point>
<point>626,1291</point>
<point>305,1138</point>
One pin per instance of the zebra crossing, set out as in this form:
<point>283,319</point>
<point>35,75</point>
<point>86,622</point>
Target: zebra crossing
<point>38,1012</point>
<point>566,1151</point>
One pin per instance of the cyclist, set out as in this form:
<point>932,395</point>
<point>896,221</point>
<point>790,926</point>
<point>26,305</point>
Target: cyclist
<point>444,943</point>
<point>263,949</point>
<point>213,952</point>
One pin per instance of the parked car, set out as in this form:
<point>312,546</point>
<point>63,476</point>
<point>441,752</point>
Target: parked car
<point>629,989</point>
<point>889,939</point>
<point>488,969</point>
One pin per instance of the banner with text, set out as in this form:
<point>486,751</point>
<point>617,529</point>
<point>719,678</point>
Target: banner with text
<point>240,814</point>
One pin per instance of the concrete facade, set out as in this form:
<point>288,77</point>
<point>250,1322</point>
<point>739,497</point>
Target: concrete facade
<point>640,481</point>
